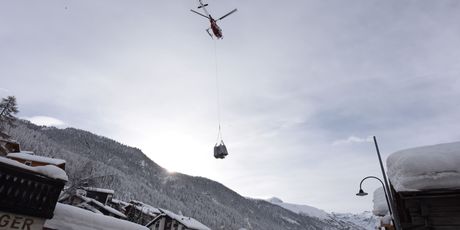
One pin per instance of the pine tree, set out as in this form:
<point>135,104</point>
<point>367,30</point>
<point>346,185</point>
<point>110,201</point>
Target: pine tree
<point>8,108</point>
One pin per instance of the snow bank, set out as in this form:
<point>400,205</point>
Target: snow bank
<point>48,170</point>
<point>73,218</point>
<point>380,203</point>
<point>424,168</point>
<point>386,220</point>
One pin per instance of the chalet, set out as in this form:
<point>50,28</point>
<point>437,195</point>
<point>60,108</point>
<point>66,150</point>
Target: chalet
<point>96,206</point>
<point>425,185</point>
<point>28,158</point>
<point>28,195</point>
<point>100,194</point>
<point>118,205</point>
<point>170,221</point>
<point>8,145</point>
<point>141,213</point>
<point>92,199</point>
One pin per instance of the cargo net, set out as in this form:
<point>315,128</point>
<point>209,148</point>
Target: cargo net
<point>220,150</point>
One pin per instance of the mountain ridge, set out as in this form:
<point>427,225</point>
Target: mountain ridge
<point>127,170</point>
<point>365,220</point>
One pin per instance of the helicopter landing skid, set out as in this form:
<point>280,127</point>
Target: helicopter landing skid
<point>210,35</point>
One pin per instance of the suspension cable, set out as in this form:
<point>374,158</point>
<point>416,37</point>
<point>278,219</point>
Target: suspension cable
<point>219,118</point>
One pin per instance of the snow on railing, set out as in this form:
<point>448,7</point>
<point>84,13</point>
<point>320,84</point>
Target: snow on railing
<point>27,191</point>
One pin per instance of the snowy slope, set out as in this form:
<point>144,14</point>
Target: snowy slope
<point>301,209</point>
<point>365,220</point>
<point>101,162</point>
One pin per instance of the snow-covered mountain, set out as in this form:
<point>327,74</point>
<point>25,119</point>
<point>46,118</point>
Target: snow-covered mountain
<point>105,163</point>
<point>363,220</point>
<point>301,209</point>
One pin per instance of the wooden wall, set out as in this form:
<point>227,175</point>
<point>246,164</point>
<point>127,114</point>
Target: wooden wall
<point>429,210</point>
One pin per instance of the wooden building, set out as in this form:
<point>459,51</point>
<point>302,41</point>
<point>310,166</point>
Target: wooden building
<point>93,199</point>
<point>141,213</point>
<point>8,145</point>
<point>28,196</point>
<point>100,194</point>
<point>97,207</point>
<point>28,158</point>
<point>429,210</point>
<point>118,205</point>
<point>170,221</point>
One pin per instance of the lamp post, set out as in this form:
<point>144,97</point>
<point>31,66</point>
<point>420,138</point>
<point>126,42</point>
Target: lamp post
<point>362,193</point>
<point>389,195</point>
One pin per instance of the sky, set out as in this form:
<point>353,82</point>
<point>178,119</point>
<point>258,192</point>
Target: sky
<point>303,85</point>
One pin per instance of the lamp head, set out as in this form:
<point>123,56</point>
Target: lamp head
<point>361,193</point>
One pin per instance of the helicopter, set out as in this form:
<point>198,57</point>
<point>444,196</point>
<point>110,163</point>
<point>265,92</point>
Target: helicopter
<point>216,30</point>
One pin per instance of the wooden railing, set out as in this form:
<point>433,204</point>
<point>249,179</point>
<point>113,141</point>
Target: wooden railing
<point>28,193</point>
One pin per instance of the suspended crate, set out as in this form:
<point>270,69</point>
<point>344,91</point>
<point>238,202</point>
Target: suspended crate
<point>220,150</point>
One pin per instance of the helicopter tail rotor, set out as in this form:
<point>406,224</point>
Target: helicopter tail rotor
<point>201,6</point>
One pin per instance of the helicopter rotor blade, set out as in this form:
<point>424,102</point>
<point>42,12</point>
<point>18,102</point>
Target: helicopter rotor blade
<point>231,12</point>
<point>200,14</point>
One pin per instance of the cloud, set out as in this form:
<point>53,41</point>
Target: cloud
<point>351,140</point>
<point>285,105</point>
<point>46,121</point>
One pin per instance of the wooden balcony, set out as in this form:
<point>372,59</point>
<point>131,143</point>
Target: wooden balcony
<point>27,192</point>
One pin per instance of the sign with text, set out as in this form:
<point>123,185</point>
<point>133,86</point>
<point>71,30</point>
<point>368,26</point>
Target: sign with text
<point>11,221</point>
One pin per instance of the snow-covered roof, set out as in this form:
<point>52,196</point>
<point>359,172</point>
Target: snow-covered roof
<point>145,208</point>
<point>72,218</point>
<point>425,168</point>
<point>26,155</point>
<point>89,207</point>
<point>101,205</point>
<point>101,190</point>
<point>186,221</point>
<point>116,201</point>
<point>380,203</point>
<point>47,170</point>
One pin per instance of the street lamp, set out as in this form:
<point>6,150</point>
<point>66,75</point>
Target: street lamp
<point>386,188</point>
<point>362,193</point>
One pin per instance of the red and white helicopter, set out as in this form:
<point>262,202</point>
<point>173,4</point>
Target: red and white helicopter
<point>216,30</point>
